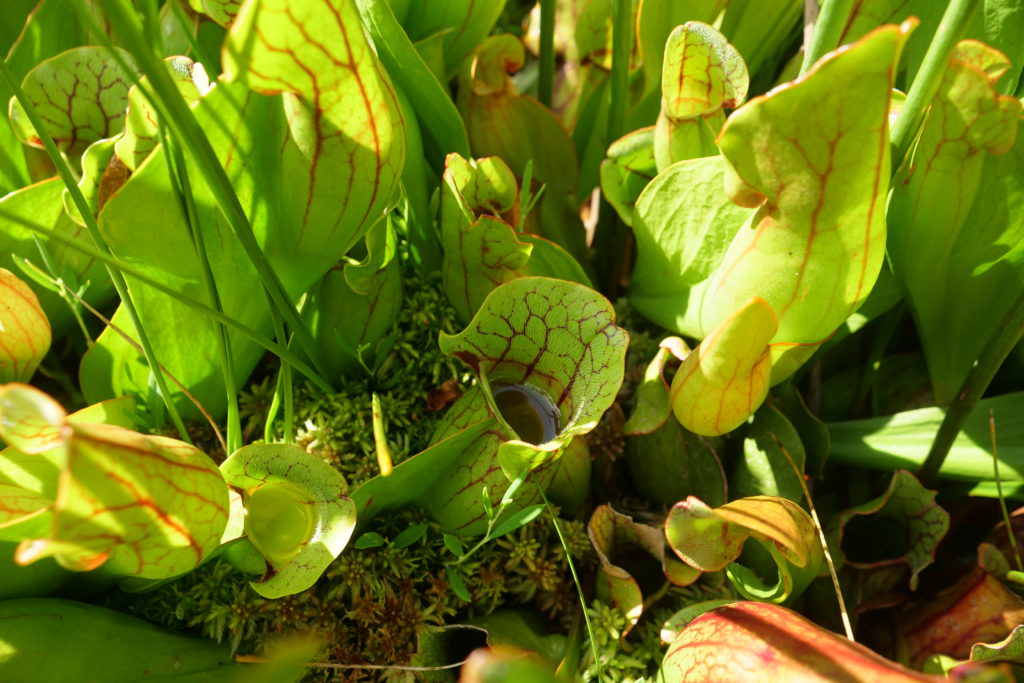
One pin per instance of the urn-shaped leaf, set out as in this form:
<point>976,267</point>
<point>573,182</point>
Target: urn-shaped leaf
<point>297,513</point>
<point>731,642</point>
<point>711,539</point>
<point>356,304</point>
<point>620,541</point>
<point>629,168</point>
<point>813,158</point>
<point>140,127</point>
<point>144,506</point>
<point>520,130</point>
<point>702,74</point>
<point>555,337</point>
<point>481,249</point>
<point>814,167</point>
<point>902,526</point>
<point>550,360</point>
<point>323,142</point>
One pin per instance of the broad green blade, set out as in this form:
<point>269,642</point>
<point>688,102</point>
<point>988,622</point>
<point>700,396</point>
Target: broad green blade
<point>321,164</point>
<point>956,217</point>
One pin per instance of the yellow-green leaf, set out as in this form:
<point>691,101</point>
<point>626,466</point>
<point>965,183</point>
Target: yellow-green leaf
<point>24,330</point>
<point>724,380</point>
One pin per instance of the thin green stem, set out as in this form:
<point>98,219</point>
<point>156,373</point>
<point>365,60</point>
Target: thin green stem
<point>176,170</point>
<point>66,174</point>
<point>196,305</point>
<point>546,77</point>
<point>828,29</point>
<point>283,394</point>
<point>166,99</point>
<point>844,615</point>
<point>579,586</point>
<point>974,385</point>
<point>999,492</point>
<point>929,77</point>
<point>54,274</point>
<point>622,35</point>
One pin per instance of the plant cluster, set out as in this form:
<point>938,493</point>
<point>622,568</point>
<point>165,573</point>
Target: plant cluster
<point>537,340</point>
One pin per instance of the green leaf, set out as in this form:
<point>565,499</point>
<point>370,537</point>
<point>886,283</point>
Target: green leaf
<point>464,24</point>
<point>724,380</point>
<point>221,11</point>
<point>358,303</point>
<point>653,399</point>
<point>456,582</point>
<point>770,451</point>
<point>819,198</point>
<point>629,168</point>
<point>81,94</point>
<point>702,74</point>
<point>409,536</point>
<point>814,434</point>
<point>570,485</point>
<point>341,108</point>
<point>683,223</point>
<point>816,171</point>
<point>557,337</point>
<point>297,513</point>
<point>110,501</point>
<point>621,542</point>
<point>520,130</point>
<point>441,122</point>
<point>49,30</point>
<point>322,162</point>
<point>908,514</point>
<point>671,463</point>
<point>956,217</point>
<point>371,539</point>
<point>482,250</point>
<point>516,520</point>
<point>760,31</point>
<point>454,545</point>
<point>712,539</point>
<point>578,361</point>
<point>656,19</point>
<point>42,203</point>
<point>903,440</point>
<point>96,184</point>
<point>1010,649</point>
<point>97,639</point>
<point>416,479</point>
<point>24,330</point>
